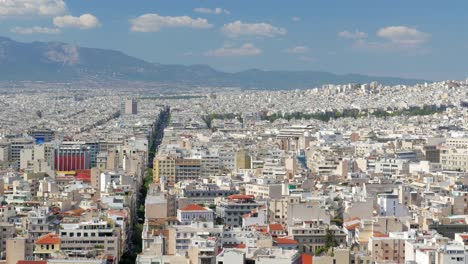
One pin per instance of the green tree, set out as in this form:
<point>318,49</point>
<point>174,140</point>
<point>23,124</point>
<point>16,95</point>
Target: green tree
<point>319,251</point>
<point>337,221</point>
<point>330,239</point>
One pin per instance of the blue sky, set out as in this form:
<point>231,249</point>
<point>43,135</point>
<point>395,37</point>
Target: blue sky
<point>421,39</point>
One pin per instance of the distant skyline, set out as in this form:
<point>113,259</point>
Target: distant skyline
<point>410,39</point>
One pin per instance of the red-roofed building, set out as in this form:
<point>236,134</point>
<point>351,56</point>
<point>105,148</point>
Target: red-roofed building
<point>31,262</point>
<point>233,207</point>
<point>46,245</point>
<point>285,243</point>
<point>193,207</point>
<point>240,246</point>
<point>194,212</point>
<point>241,197</point>
<point>276,230</point>
<point>74,212</point>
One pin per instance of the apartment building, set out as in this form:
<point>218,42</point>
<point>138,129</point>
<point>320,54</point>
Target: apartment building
<point>16,145</point>
<point>38,222</point>
<point>264,190</point>
<point>46,245</point>
<point>278,209</point>
<point>242,159</point>
<point>389,205</point>
<point>232,208</point>
<point>7,231</point>
<point>457,143</point>
<point>392,166</point>
<point>210,164</point>
<point>454,159</point>
<point>203,250</point>
<point>194,212</point>
<point>312,235</point>
<point>164,166</point>
<point>95,237</point>
<point>187,169</point>
<point>180,236</point>
<point>384,248</point>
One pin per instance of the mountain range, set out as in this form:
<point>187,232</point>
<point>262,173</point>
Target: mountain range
<point>57,61</point>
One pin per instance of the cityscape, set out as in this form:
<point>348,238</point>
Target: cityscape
<point>108,158</point>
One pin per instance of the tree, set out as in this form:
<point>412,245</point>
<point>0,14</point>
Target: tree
<point>330,240</point>
<point>338,221</point>
<point>319,251</point>
<point>141,211</point>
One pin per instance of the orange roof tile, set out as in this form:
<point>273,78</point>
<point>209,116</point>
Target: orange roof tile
<point>193,207</point>
<point>240,196</point>
<point>49,239</point>
<point>31,262</point>
<point>275,227</point>
<point>285,241</point>
<point>75,212</point>
<point>379,234</point>
<point>117,213</point>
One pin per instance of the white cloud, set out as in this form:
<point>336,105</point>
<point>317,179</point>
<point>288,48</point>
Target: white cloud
<point>402,35</point>
<point>86,21</point>
<point>399,39</point>
<point>35,30</point>
<point>296,19</point>
<point>214,11</point>
<point>238,28</point>
<point>32,7</point>
<point>155,22</point>
<point>247,49</point>
<point>352,35</point>
<point>298,50</point>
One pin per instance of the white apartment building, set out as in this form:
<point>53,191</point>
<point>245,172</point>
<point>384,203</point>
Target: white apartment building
<point>194,212</point>
<point>389,205</point>
<point>454,159</point>
<point>392,166</point>
<point>95,236</point>
<point>264,190</point>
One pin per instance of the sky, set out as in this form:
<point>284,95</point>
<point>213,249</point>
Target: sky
<point>402,38</point>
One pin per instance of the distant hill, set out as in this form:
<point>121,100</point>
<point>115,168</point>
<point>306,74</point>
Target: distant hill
<point>56,61</point>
